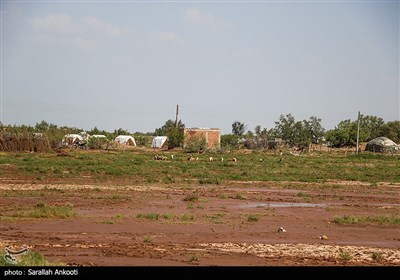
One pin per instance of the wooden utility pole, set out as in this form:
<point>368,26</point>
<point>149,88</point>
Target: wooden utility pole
<point>176,118</point>
<point>358,129</point>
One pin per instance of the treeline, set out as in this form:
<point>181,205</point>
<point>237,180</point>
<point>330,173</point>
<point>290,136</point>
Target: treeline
<point>302,133</point>
<point>56,133</point>
<point>287,129</point>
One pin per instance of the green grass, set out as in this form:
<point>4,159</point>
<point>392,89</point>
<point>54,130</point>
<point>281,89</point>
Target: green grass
<point>31,258</point>
<point>252,218</point>
<point>211,181</point>
<point>304,195</point>
<point>377,256</point>
<point>149,216</point>
<point>239,196</point>
<point>194,258</point>
<point>147,239</point>
<point>139,167</point>
<point>216,218</point>
<point>381,220</point>
<point>185,217</point>
<point>345,256</point>
<point>188,217</point>
<point>44,211</point>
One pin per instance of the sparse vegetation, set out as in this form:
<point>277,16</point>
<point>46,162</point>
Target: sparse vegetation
<point>149,216</point>
<point>239,196</point>
<point>191,197</point>
<point>377,256</point>
<point>382,220</point>
<point>252,218</point>
<point>31,258</point>
<point>188,217</point>
<point>43,211</point>
<point>147,239</point>
<point>345,256</point>
<point>216,218</point>
<point>194,258</point>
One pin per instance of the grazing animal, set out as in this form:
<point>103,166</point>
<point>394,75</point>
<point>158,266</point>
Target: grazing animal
<point>157,157</point>
<point>191,158</point>
<point>172,156</point>
<point>222,159</point>
<point>211,159</point>
<point>234,159</point>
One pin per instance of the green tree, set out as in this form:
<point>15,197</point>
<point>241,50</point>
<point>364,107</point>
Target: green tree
<point>175,137</point>
<point>43,126</point>
<point>314,129</point>
<point>344,134</point>
<point>174,134</point>
<point>371,127</point>
<point>391,130</point>
<point>238,128</point>
<point>230,141</point>
<point>285,128</point>
<point>168,125</point>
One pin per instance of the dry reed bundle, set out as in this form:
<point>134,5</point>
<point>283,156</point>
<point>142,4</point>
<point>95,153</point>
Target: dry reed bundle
<point>28,142</point>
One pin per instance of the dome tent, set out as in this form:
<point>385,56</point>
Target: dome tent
<point>126,140</point>
<point>382,145</point>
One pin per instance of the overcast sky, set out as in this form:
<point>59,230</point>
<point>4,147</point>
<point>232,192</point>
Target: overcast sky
<point>127,64</point>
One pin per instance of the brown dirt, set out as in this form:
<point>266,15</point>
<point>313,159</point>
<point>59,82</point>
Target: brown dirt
<point>107,231</point>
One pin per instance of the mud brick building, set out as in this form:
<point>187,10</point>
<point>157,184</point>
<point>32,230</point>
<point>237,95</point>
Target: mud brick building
<point>212,136</point>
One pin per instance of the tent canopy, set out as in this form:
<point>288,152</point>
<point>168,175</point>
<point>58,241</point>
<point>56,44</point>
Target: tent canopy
<point>70,139</point>
<point>158,141</point>
<point>126,140</point>
<point>382,144</point>
<point>98,136</point>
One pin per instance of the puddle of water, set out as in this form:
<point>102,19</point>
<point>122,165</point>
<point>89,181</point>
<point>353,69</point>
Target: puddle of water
<point>284,204</point>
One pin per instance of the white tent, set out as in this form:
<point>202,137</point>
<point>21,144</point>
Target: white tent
<point>382,145</point>
<point>70,139</point>
<point>126,140</point>
<point>158,141</point>
<point>98,136</point>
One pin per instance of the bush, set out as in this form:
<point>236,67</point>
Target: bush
<point>175,137</point>
<point>196,144</point>
<point>230,141</point>
<point>96,143</point>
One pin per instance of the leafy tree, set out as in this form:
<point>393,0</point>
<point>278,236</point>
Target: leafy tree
<point>238,128</point>
<point>314,129</point>
<point>371,127</point>
<point>391,130</point>
<point>297,132</point>
<point>175,137</point>
<point>174,134</point>
<point>169,124</point>
<point>43,126</point>
<point>285,128</point>
<point>344,134</point>
<point>230,141</point>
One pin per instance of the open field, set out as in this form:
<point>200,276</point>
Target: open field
<point>126,208</point>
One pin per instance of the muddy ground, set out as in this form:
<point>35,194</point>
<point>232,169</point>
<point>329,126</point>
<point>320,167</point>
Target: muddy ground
<point>232,224</point>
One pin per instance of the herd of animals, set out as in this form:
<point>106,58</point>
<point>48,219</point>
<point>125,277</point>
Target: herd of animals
<point>190,158</point>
